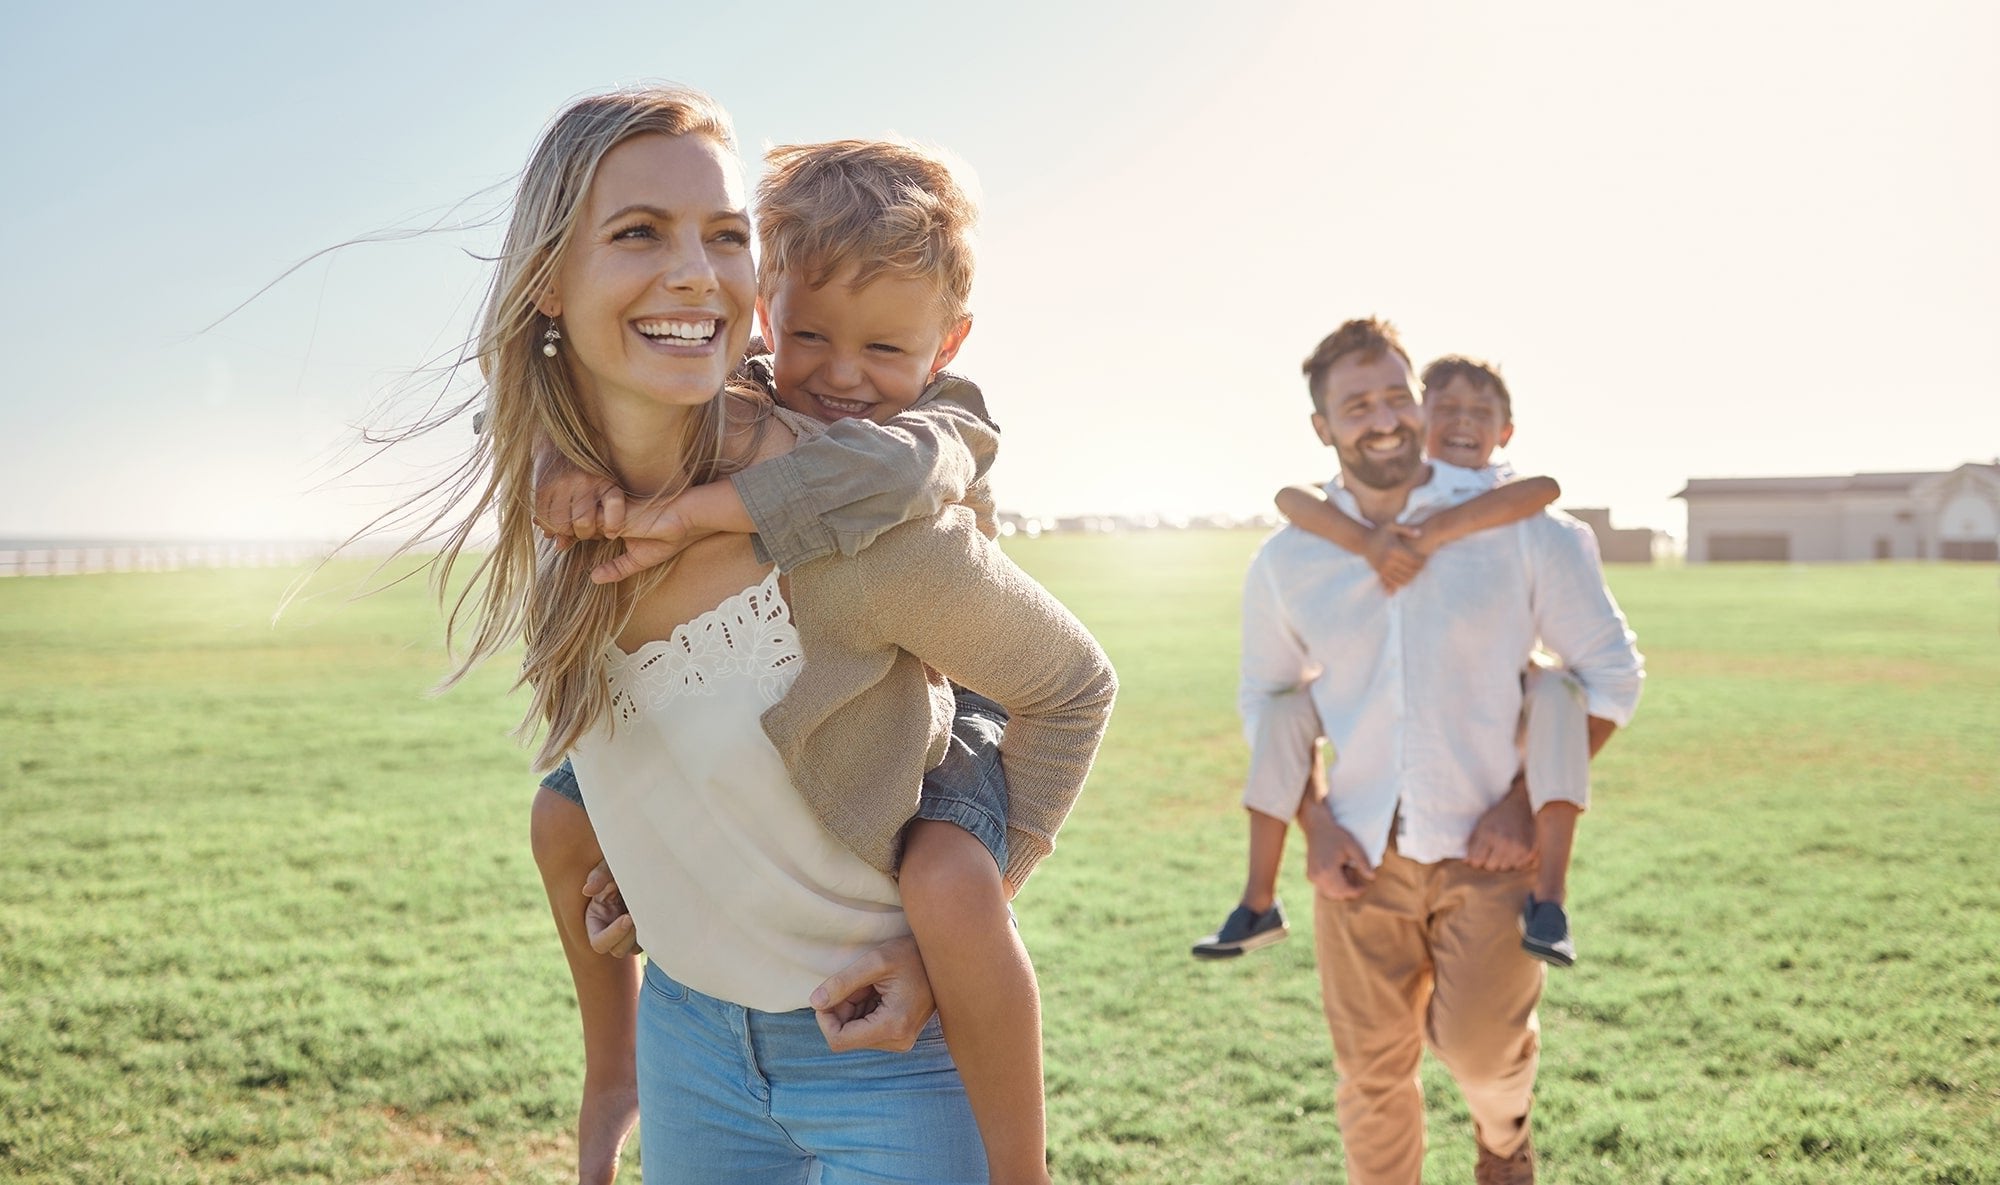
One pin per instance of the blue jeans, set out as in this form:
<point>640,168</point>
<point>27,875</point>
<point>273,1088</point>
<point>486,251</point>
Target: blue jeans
<point>730,1094</point>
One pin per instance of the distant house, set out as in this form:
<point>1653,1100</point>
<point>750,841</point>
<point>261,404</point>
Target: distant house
<point>1953,515</point>
<point>1617,545</point>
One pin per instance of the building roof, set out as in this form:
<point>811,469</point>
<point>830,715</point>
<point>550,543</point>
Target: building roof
<point>1871,483</point>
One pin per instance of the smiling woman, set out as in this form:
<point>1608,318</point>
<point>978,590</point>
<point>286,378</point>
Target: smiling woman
<point>735,727</point>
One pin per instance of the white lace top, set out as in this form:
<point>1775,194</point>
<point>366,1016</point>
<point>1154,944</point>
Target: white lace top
<point>735,888</point>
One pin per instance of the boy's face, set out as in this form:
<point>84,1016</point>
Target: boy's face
<point>840,351</point>
<point>1467,422</point>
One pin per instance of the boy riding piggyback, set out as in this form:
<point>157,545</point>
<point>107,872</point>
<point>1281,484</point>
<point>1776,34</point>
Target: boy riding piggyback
<point>1468,415</point>
<point>864,281</point>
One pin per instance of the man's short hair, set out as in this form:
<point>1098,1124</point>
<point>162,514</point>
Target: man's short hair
<point>1481,374</point>
<point>883,208</point>
<point>1370,337</point>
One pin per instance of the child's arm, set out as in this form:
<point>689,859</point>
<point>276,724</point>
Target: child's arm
<point>952,599</point>
<point>1503,504</point>
<point>833,492</point>
<point>837,492</point>
<point>1386,548</point>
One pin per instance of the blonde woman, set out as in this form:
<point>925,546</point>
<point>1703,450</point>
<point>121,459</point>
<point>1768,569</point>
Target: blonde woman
<point>735,727</point>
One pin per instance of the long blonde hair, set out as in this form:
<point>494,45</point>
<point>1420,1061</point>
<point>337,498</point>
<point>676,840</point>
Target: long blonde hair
<point>523,587</point>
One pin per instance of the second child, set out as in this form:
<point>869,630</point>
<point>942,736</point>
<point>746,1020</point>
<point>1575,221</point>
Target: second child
<point>1468,414</point>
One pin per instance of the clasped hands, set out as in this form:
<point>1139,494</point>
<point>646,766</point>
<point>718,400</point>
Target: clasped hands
<point>881,1000</point>
<point>571,505</point>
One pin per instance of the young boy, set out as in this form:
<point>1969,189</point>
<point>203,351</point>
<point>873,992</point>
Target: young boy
<point>865,272</point>
<point>1468,414</point>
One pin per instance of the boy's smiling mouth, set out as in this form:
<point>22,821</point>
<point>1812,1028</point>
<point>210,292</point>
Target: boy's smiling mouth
<point>840,409</point>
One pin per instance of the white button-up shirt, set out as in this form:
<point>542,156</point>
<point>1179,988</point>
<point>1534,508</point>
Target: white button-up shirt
<point>1420,693</point>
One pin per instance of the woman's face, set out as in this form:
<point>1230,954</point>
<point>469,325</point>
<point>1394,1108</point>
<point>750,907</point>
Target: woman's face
<point>656,291</point>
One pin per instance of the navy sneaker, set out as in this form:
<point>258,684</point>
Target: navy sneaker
<point>1545,933</point>
<point>1246,930</point>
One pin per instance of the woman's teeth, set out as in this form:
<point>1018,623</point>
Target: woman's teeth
<point>679,333</point>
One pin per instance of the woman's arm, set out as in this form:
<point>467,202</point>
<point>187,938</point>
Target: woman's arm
<point>1503,504</point>
<point>607,989</point>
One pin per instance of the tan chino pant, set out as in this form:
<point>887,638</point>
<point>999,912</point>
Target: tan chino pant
<point>1430,954</point>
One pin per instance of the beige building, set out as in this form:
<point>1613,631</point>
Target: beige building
<point>1616,545</point>
<point>1953,515</point>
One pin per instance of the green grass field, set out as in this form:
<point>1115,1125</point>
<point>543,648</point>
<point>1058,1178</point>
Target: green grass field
<point>267,912</point>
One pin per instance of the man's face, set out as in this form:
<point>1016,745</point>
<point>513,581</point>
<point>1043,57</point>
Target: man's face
<point>1467,422</point>
<point>1372,420</point>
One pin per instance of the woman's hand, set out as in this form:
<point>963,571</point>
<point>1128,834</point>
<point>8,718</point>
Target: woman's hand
<point>881,1000</point>
<point>606,921</point>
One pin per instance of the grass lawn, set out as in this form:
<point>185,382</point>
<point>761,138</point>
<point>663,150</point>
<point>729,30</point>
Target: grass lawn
<point>267,913</point>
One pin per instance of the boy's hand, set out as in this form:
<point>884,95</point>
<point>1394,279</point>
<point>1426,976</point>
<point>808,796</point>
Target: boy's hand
<point>653,535</point>
<point>606,921</point>
<point>1393,553</point>
<point>656,533</point>
<point>571,505</point>
<point>881,1000</point>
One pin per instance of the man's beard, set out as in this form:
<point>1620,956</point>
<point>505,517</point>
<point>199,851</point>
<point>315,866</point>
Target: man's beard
<point>1381,473</point>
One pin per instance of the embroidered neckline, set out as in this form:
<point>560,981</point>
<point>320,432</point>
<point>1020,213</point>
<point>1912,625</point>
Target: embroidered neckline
<point>749,632</point>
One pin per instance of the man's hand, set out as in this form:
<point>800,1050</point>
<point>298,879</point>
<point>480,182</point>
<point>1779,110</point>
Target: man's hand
<point>606,921</point>
<point>879,1001</point>
<point>571,505</point>
<point>1393,554</point>
<point>1504,838</point>
<point>1336,863</point>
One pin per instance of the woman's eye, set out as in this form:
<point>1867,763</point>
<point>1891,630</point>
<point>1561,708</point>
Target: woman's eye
<point>733,237</point>
<point>641,231</point>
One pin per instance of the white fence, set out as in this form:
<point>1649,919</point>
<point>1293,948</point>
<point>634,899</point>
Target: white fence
<point>82,559</point>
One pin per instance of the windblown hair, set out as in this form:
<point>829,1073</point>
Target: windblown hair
<point>883,208</point>
<point>1439,374</point>
<point>1369,337</point>
<point>524,589</point>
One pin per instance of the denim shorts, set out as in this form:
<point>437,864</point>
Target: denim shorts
<point>730,1094</point>
<point>967,789</point>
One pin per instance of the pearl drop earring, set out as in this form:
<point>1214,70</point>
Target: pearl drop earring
<point>549,340</point>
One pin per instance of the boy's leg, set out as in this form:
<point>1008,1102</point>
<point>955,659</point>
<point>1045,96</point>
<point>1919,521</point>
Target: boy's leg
<point>1258,920</point>
<point>1555,731</point>
<point>1284,764</point>
<point>1267,850</point>
<point>607,989</point>
<point>1555,833</point>
<point>986,992</point>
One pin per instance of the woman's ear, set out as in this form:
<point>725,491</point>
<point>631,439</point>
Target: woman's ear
<point>548,304</point>
<point>948,349</point>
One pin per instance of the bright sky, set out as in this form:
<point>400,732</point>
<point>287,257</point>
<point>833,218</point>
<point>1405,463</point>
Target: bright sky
<point>1703,239</point>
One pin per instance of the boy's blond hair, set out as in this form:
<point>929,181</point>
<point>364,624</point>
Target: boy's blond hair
<point>883,208</point>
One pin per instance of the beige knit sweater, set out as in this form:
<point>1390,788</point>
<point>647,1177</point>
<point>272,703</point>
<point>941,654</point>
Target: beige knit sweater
<point>871,711</point>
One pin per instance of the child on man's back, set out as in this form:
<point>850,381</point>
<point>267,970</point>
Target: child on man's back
<point>866,269</point>
<point>1468,414</point>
